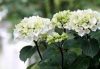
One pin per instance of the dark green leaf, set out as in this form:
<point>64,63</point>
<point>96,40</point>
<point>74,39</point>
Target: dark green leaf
<point>43,66</point>
<point>90,47</point>
<point>27,52</point>
<point>51,56</point>
<point>69,57</point>
<point>78,51</point>
<point>72,43</point>
<point>95,35</point>
<point>82,62</point>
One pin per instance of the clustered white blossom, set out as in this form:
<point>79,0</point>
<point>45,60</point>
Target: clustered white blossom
<point>32,28</point>
<point>84,21</point>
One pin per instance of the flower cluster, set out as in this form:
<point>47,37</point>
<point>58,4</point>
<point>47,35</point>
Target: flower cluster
<point>61,18</point>
<point>84,21</point>
<point>55,37</point>
<point>32,28</point>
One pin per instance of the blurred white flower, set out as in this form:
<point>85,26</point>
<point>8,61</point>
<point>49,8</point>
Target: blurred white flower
<point>84,21</point>
<point>32,28</point>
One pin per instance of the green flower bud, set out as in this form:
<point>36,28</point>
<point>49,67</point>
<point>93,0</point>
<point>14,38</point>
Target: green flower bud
<point>61,18</point>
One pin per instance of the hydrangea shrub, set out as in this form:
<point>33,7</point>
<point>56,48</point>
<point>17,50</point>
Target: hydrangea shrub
<point>70,40</point>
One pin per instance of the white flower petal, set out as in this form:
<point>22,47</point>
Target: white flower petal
<point>94,28</point>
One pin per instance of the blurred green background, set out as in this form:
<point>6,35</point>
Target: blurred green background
<point>18,9</point>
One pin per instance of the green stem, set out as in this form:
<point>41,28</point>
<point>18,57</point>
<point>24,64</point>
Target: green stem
<point>60,47</point>
<point>38,49</point>
<point>62,57</point>
<point>62,54</point>
<point>63,28</point>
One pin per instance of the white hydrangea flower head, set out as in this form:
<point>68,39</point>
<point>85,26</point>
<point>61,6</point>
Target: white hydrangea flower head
<point>32,28</point>
<point>61,18</point>
<point>84,21</point>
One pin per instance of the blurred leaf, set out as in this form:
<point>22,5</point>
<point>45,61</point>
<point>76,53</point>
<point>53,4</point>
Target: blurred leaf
<point>27,52</point>
<point>90,47</point>
<point>69,58</point>
<point>82,62</point>
<point>43,66</point>
<point>78,51</point>
<point>71,43</point>
<point>51,56</point>
<point>95,35</point>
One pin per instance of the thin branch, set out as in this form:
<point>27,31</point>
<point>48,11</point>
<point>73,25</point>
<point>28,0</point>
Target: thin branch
<point>38,49</point>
